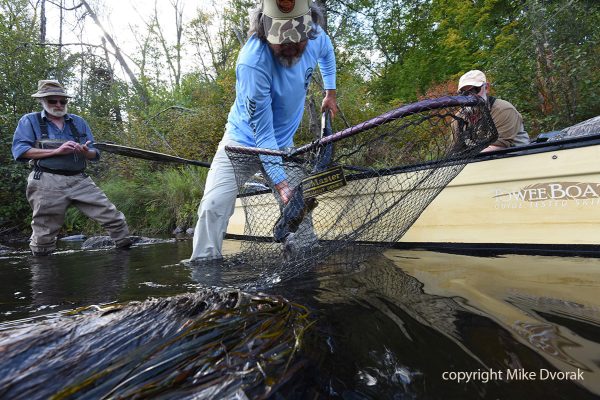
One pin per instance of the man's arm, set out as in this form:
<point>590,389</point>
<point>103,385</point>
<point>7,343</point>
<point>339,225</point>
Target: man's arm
<point>69,147</point>
<point>327,66</point>
<point>24,140</point>
<point>508,123</point>
<point>492,148</point>
<point>254,87</point>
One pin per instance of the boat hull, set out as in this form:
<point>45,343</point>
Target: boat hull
<point>541,196</point>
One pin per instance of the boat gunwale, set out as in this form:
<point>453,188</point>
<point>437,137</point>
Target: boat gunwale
<point>532,148</point>
<point>470,248</point>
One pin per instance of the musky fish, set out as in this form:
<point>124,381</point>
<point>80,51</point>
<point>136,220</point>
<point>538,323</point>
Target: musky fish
<point>298,207</point>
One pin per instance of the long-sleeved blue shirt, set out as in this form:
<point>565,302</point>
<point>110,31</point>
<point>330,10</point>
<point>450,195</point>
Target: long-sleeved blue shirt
<point>270,97</point>
<point>29,130</point>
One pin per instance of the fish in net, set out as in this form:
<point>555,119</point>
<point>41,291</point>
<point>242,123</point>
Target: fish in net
<point>357,188</point>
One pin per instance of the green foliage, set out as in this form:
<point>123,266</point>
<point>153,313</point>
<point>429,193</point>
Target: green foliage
<point>164,200</point>
<point>152,201</point>
<point>547,62</point>
<point>21,65</point>
<point>543,56</point>
<point>14,209</point>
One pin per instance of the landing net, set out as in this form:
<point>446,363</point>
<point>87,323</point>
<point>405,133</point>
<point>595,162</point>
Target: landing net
<point>393,166</point>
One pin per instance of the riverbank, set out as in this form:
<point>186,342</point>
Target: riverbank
<point>12,236</point>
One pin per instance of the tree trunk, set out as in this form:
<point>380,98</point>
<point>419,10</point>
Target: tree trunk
<point>117,108</point>
<point>174,62</point>
<point>60,31</point>
<point>43,22</point>
<point>544,60</point>
<point>136,83</point>
<point>324,7</point>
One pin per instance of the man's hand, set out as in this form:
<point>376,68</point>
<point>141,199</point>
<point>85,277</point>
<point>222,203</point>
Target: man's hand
<point>285,192</point>
<point>82,148</point>
<point>71,147</point>
<point>330,103</point>
<point>67,148</point>
<point>90,154</point>
<point>492,148</point>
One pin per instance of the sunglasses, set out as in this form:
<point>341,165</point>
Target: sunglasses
<point>54,101</point>
<point>472,91</point>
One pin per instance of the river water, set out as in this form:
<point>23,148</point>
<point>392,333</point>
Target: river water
<point>402,325</point>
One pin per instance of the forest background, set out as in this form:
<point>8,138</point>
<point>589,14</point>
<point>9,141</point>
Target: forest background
<point>541,55</point>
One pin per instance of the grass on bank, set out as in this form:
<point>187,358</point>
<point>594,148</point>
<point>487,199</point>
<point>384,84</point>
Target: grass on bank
<point>153,202</point>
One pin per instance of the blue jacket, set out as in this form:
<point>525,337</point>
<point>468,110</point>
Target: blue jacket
<point>270,97</point>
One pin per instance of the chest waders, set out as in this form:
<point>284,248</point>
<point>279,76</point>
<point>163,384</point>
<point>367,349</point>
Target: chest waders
<point>66,164</point>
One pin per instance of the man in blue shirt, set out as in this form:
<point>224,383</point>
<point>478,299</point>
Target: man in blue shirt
<point>274,70</point>
<point>58,146</point>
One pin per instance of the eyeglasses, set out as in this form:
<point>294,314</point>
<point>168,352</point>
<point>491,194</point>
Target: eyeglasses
<point>54,101</point>
<point>471,91</point>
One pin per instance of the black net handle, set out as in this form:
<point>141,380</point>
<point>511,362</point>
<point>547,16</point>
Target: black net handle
<point>400,112</point>
<point>326,129</point>
<point>147,154</point>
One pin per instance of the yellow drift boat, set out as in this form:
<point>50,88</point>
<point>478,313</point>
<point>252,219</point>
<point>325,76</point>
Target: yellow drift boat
<point>541,197</point>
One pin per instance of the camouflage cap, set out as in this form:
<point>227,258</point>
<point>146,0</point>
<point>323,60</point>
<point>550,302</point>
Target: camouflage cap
<point>286,21</point>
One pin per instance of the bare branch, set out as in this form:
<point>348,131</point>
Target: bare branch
<point>136,83</point>
<point>178,108</point>
<point>65,8</point>
<point>71,44</point>
<point>68,44</point>
<point>174,62</point>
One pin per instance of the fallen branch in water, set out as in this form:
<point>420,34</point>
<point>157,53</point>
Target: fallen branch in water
<point>210,344</point>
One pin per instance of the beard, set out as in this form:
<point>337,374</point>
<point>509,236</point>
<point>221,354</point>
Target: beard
<point>289,54</point>
<point>54,111</point>
<point>288,61</point>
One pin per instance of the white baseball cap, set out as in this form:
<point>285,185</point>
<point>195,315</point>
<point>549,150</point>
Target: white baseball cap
<point>472,78</point>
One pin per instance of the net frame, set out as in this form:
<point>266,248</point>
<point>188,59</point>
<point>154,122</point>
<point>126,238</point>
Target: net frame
<point>368,215</point>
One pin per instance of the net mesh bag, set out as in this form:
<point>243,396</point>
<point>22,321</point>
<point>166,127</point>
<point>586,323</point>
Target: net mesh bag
<point>356,189</point>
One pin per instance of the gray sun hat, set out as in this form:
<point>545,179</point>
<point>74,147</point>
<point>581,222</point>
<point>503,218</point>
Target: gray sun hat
<point>287,21</point>
<point>50,87</point>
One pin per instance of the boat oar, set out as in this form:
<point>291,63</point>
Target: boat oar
<point>146,154</point>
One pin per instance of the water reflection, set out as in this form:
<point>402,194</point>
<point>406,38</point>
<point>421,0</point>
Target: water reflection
<point>72,278</point>
<point>55,283</point>
<point>386,328</point>
<point>384,335</point>
<point>550,304</point>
